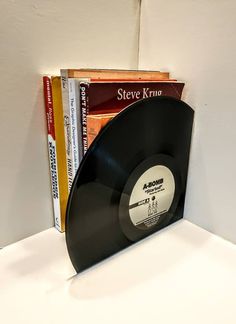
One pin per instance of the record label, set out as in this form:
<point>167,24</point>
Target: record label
<point>152,196</point>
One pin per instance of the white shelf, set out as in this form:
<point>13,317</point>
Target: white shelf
<point>182,274</point>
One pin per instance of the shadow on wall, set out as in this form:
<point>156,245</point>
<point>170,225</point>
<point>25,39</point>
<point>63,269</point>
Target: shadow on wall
<point>31,210</point>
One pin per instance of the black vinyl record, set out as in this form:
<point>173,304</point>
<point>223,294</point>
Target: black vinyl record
<point>131,181</point>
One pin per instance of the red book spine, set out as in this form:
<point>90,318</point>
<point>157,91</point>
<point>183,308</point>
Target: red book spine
<point>114,96</point>
<point>49,106</point>
<point>52,150</point>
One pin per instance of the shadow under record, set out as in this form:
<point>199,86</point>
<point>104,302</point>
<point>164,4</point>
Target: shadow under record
<point>139,263</point>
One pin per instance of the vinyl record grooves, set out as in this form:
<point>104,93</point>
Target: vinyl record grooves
<point>132,180</point>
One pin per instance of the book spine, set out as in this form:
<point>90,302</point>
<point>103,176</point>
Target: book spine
<point>52,150</point>
<point>93,128</point>
<point>78,113</point>
<point>74,124</point>
<point>113,97</point>
<point>95,125</point>
<point>117,74</point>
<point>84,108</point>
<point>61,151</point>
<point>67,126</point>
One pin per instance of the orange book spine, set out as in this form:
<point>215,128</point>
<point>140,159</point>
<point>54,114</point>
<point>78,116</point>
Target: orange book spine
<point>95,123</point>
<point>116,74</point>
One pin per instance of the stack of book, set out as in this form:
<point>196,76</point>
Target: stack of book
<point>79,103</point>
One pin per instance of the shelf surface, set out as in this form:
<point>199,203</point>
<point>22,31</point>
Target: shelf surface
<point>183,274</point>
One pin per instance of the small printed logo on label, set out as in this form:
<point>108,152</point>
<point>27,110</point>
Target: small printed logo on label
<point>153,183</point>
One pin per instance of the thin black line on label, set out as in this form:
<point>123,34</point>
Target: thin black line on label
<point>140,203</point>
<point>150,218</point>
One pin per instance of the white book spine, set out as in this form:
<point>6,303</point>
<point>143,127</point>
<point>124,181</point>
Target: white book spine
<point>54,181</point>
<point>74,123</point>
<point>67,127</point>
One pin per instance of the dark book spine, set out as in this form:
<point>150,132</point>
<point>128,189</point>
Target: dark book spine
<point>115,96</point>
<point>84,107</point>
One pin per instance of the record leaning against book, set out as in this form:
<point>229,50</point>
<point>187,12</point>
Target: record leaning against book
<point>77,94</point>
<point>132,181</point>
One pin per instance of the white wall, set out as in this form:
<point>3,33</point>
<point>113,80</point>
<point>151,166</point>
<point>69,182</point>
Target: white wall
<point>196,41</point>
<point>37,37</point>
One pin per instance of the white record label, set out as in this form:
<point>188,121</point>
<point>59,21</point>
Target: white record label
<point>152,196</point>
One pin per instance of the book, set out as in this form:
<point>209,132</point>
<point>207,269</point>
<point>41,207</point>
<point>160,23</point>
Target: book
<point>75,117</point>
<point>114,74</point>
<point>52,150</point>
<point>67,130</point>
<point>98,97</point>
<point>60,152</point>
<point>98,74</point>
<point>80,103</point>
<point>95,123</point>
